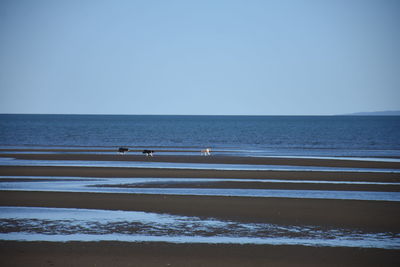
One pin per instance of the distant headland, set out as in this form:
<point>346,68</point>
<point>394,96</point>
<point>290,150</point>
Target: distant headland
<point>376,113</point>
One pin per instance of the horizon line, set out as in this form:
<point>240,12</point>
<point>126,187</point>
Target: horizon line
<point>378,113</point>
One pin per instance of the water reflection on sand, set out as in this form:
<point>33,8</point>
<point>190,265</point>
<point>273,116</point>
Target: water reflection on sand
<point>61,224</point>
<point>194,166</point>
<point>116,185</point>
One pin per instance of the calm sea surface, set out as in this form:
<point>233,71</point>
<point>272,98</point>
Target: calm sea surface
<point>370,136</point>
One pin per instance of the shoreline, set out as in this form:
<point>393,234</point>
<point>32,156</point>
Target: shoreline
<point>137,150</point>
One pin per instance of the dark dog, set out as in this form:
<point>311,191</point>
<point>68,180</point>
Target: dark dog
<point>148,152</point>
<point>123,150</point>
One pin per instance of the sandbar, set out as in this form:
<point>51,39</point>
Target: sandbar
<point>170,254</point>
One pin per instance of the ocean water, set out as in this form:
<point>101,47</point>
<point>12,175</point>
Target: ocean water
<point>369,136</point>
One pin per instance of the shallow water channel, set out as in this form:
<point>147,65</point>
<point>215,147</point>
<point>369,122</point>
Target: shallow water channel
<point>122,185</point>
<point>61,224</point>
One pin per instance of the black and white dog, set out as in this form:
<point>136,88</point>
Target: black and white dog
<point>148,152</point>
<point>123,150</point>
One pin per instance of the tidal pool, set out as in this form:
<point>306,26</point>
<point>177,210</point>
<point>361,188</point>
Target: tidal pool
<point>62,225</point>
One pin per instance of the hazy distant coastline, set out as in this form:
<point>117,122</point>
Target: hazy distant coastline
<point>376,113</point>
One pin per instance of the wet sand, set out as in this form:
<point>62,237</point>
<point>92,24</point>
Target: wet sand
<point>187,173</point>
<point>261,185</point>
<point>169,254</point>
<point>374,216</point>
<point>364,215</point>
<point>211,159</point>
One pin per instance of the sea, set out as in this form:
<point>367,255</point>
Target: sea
<point>308,136</point>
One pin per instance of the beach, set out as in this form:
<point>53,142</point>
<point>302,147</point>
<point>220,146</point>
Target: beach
<point>353,215</point>
<point>199,133</point>
<point>167,254</point>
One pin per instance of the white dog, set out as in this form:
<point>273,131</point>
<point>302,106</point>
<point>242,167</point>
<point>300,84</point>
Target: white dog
<point>206,152</point>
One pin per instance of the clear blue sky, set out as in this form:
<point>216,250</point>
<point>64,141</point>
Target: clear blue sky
<point>278,57</point>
